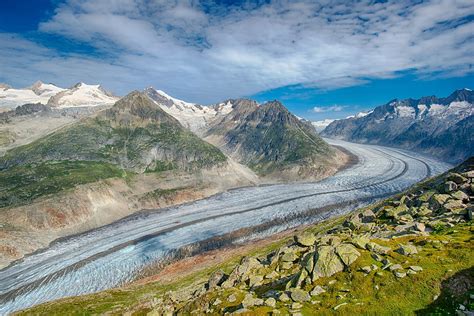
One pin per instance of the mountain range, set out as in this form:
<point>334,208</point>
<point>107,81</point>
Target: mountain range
<point>441,127</point>
<point>80,94</point>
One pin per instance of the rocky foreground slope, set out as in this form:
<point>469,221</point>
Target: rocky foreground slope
<point>442,127</point>
<point>410,254</point>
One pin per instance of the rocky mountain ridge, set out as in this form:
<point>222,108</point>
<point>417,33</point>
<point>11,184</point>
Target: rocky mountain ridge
<point>442,127</point>
<point>64,169</point>
<point>263,137</point>
<point>101,167</point>
<point>269,139</point>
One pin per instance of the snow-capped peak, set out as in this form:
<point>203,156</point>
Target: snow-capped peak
<point>191,115</point>
<point>360,114</point>
<point>39,92</point>
<point>467,89</point>
<point>82,94</point>
<point>46,89</point>
<point>175,100</point>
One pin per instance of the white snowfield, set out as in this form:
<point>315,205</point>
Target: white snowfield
<point>38,93</point>
<point>109,256</point>
<point>80,94</point>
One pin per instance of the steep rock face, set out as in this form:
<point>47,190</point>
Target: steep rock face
<point>134,134</point>
<point>25,109</point>
<point>438,126</point>
<point>268,138</point>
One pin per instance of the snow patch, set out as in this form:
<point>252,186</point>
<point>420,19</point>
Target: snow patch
<point>405,111</point>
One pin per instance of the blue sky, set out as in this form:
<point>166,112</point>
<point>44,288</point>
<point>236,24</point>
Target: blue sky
<point>323,59</point>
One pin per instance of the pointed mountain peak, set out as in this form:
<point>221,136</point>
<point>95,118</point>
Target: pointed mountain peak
<point>242,103</point>
<point>37,83</point>
<point>138,106</point>
<point>460,95</point>
<point>36,87</point>
<point>40,87</point>
<point>162,97</point>
<point>275,104</point>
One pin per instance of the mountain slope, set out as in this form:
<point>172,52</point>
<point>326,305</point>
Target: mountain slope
<point>97,170</point>
<point>134,134</point>
<point>270,140</point>
<point>438,126</point>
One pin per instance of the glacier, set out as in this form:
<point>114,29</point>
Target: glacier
<point>113,255</point>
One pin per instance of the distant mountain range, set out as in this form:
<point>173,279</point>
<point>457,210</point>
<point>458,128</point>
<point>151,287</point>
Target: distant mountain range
<point>80,94</point>
<point>442,127</point>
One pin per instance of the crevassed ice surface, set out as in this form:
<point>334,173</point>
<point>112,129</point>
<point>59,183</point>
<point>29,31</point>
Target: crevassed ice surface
<point>109,256</point>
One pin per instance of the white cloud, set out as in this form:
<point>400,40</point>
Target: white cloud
<point>334,108</point>
<point>206,54</point>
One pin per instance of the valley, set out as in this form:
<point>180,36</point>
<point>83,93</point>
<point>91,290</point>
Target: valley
<point>236,158</point>
<point>115,254</point>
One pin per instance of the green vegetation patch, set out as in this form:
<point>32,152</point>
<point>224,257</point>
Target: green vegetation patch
<point>129,146</point>
<point>22,184</point>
